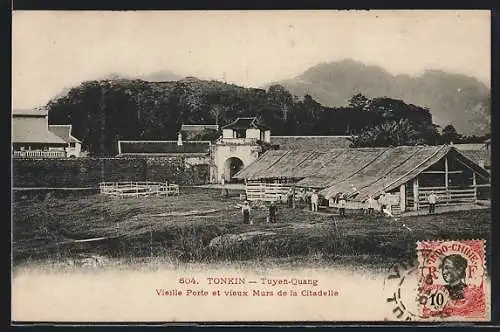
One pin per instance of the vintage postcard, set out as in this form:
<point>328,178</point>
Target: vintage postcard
<point>251,166</point>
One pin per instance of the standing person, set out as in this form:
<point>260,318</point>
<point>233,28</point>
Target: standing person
<point>337,198</point>
<point>383,202</point>
<point>289,197</point>
<point>314,201</point>
<point>225,192</point>
<point>308,197</point>
<point>342,205</point>
<point>301,198</point>
<point>245,211</point>
<point>272,212</point>
<point>370,204</point>
<point>432,199</point>
<point>388,207</point>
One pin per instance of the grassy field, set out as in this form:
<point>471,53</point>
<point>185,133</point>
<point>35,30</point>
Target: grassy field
<point>201,226</point>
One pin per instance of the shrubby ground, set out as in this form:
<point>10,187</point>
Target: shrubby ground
<point>200,226</point>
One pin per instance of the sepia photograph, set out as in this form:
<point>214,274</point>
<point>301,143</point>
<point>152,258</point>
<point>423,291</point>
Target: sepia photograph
<point>251,166</point>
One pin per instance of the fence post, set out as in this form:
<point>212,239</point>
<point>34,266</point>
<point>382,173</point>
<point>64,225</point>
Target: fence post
<point>402,197</point>
<point>446,180</point>
<point>474,184</point>
<point>416,198</point>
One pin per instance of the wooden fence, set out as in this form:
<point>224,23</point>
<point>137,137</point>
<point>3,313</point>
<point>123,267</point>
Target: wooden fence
<point>39,154</point>
<point>450,195</point>
<point>261,191</point>
<point>138,189</point>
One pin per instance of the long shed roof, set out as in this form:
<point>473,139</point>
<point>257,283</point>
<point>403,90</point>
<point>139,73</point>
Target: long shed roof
<point>311,142</point>
<point>367,171</point>
<point>163,147</point>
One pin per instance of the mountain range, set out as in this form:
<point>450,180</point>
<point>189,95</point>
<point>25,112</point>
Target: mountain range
<point>460,100</point>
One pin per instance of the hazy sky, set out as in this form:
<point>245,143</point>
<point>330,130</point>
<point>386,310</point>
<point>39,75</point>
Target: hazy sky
<point>57,50</point>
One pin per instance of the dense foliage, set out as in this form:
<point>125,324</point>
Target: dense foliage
<point>102,112</point>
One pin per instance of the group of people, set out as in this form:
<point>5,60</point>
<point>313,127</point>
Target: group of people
<point>246,209</point>
<point>311,198</point>
<point>386,206</point>
<point>303,197</point>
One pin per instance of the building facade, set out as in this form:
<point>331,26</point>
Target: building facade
<point>31,137</point>
<point>241,144</point>
<point>74,145</point>
<point>408,173</point>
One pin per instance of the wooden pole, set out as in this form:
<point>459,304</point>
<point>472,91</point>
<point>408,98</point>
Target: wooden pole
<point>415,194</point>
<point>474,184</point>
<point>446,179</point>
<point>402,198</point>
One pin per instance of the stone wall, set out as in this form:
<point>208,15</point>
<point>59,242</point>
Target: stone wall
<point>88,172</point>
<point>79,173</point>
<point>176,170</point>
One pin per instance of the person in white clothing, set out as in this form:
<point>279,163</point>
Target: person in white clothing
<point>342,205</point>
<point>432,199</point>
<point>370,204</point>
<point>314,201</point>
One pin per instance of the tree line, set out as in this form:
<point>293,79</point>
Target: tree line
<point>103,112</point>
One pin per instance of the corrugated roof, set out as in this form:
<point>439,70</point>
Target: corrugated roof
<point>33,130</point>
<point>311,142</point>
<point>245,123</point>
<point>199,127</point>
<point>366,171</point>
<point>164,147</point>
<point>294,164</point>
<point>64,132</point>
<point>394,167</point>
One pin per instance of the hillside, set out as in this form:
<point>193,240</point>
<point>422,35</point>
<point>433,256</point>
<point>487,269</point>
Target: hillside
<point>454,99</point>
<point>104,111</point>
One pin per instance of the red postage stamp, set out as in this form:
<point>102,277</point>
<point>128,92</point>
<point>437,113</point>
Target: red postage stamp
<point>452,279</point>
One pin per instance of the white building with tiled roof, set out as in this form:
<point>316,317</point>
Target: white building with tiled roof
<point>31,136</point>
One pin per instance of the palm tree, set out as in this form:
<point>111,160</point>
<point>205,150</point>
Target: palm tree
<point>390,133</point>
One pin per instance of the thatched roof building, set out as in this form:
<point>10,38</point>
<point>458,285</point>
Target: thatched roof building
<point>367,171</point>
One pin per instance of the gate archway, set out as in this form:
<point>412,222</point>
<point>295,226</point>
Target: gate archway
<point>232,166</point>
